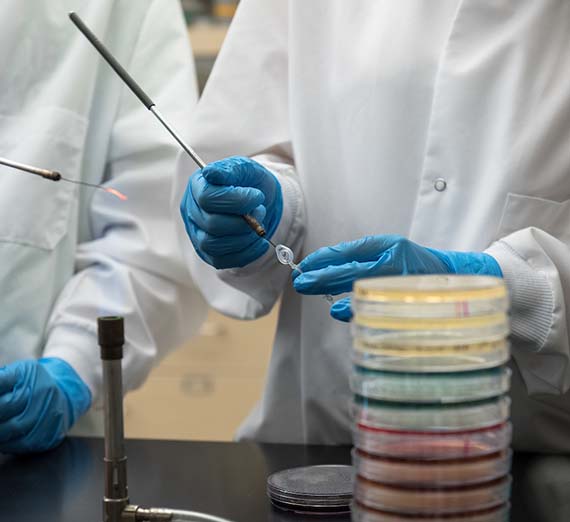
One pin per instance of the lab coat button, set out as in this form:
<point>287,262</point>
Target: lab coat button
<point>440,184</point>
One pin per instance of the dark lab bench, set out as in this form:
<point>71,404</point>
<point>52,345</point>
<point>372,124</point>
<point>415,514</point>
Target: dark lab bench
<point>224,479</point>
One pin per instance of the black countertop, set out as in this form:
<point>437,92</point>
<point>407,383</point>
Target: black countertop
<point>224,479</point>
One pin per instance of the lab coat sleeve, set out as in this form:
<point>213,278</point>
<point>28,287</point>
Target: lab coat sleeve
<point>245,111</point>
<point>132,265</point>
<point>536,268</point>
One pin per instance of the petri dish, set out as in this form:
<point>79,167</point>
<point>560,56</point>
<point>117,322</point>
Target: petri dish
<point>431,417</point>
<point>433,445</point>
<point>427,358</point>
<point>430,296</point>
<point>429,331</point>
<point>432,501</point>
<point>430,387</point>
<point>444,473</point>
<point>363,514</point>
<point>324,490</point>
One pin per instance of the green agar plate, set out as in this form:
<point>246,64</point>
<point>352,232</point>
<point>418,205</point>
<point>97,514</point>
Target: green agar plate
<point>430,387</point>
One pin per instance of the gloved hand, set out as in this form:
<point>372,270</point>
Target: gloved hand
<point>39,402</point>
<point>333,270</point>
<point>215,199</point>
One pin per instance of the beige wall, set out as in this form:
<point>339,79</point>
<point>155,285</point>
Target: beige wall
<point>204,390</point>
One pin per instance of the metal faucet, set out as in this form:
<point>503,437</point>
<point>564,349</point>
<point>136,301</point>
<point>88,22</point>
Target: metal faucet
<point>116,506</point>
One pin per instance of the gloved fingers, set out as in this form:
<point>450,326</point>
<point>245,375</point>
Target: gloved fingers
<point>235,259</point>
<point>236,171</point>
<point>224,224</point>
<point>203,225</point>
<point>18,427</point>
<point>54,396</point>
<point>342,310</point>
<point>9,376</point>
<point>333,279</point>
<point>13,403</point>
<point>365,249</point>
<point>224,199</point>
<point>44,433</point>
<point>192,231</point>
<point>218,246</point>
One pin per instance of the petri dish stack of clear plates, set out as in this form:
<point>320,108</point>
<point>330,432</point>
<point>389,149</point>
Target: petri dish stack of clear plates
<point>431,412</point>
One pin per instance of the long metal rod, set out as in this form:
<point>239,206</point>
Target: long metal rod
<point>53,175</point>
<point>187,148</point>
<point>44,173</point>
<point>145,99</point>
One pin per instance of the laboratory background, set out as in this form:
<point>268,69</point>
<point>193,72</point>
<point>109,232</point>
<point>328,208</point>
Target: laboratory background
<point>398,355</point>
<point>218,376</point>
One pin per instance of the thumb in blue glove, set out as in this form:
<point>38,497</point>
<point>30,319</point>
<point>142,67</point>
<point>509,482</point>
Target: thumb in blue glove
<point>39,402</point>
<point>333,270</point>
<point>215,199</point>
<point>342,310</point>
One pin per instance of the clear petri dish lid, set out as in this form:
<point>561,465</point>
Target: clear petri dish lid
<point>431,417</point>
<point>458,356</point>
<point>443,388</point>
<point>426,445</point>
<point>441,473</point>
<point>363,514</point>
<point>432,501</point>
<point>430,296</point>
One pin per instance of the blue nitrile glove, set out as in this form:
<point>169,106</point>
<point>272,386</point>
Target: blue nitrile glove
<point>215,199</point>
<point>333,270</point>
<point>39,402</point>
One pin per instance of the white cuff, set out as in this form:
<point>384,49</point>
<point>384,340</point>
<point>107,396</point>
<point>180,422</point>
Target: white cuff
<point>532,298</point>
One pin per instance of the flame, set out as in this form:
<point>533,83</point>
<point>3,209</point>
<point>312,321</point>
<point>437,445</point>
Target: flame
<point>116,193</point>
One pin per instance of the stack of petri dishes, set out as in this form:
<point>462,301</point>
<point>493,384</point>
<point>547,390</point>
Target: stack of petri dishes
<point>312,490</point>
<point>431,411</point>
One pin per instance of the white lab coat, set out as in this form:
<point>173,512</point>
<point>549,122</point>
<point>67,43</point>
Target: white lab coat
<point>69,254</point>
<point>359,107</point>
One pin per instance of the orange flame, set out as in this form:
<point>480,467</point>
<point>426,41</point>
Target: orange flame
<point>116,193</point>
